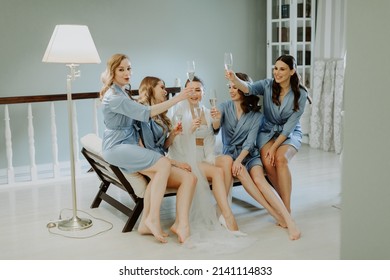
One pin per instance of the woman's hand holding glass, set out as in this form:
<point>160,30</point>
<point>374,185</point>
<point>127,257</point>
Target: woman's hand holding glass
<point>230,75</point>
<point>198,115</point>
<point>194,125</point>
<point>185,93</point>
<point>178,128</point>
<point>215,113</point>
<point>196,121</point>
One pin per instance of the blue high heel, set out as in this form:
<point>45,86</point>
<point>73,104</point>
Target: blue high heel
<point>234,232</point>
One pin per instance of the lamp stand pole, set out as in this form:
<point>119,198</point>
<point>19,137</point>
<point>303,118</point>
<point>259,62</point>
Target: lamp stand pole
<point>75,223</point>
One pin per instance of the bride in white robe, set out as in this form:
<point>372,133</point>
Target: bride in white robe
<point>196,147</point>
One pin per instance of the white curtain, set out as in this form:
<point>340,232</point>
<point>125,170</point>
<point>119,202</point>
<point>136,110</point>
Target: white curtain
<point>326,119</point>
<point>328,79</point>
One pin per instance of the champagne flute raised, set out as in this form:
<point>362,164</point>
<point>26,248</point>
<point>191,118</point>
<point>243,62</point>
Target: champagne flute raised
<point>178,118</point>
<point>213,98</point>
<point>198,113</point>
<point>191,70</point>
<point>228,61</point>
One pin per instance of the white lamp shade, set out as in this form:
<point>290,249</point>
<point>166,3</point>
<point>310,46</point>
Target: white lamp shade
<point>71,44</point>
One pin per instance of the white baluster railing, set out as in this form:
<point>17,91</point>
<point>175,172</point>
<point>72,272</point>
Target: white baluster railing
<point>31,144</point>
<point>33,139</point>
<point>8,147</point>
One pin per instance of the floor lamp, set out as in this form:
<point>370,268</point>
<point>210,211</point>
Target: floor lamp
<point>72,45</point>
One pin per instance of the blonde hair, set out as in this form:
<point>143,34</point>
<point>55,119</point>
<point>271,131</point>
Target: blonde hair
<point>147,97</point>
<point>107,77</point>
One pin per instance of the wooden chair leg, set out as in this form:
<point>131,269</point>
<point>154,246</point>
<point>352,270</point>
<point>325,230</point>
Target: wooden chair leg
<point>137,210</point>
<point>98,199</point>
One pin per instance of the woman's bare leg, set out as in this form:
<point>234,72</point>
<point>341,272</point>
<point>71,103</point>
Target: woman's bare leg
<point>142,228</point>
<point>225,162</point>
<point>266,189</point>
<point>253,191</point>
<point>269,169</point>
<point>282,157</point>
<point>216,176</point>
<point>185,182</point>
<point>159,174</point>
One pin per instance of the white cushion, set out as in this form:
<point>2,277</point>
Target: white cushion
<point>92,143</point>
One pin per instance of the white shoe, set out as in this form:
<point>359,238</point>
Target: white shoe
<point>234,232</point>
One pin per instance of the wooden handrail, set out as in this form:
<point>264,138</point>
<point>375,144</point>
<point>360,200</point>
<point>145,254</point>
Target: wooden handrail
<point>60,97</point>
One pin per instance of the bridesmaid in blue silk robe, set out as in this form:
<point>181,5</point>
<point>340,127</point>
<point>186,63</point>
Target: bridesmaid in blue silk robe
<point>280,136</point>
<point>239,122</point>
<point>157,135</point>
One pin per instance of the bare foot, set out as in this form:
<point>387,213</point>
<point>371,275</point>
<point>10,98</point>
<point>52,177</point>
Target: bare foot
<point>144,230</point>
<point>182,232</point>
<point>293,231</point>
<point>155,229</point>
<point>280,221</point>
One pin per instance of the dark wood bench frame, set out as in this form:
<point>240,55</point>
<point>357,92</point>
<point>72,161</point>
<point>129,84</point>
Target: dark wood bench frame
<point>111,174</point>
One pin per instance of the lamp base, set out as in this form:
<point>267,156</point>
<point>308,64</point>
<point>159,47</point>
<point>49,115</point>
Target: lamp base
<point>75,223</point>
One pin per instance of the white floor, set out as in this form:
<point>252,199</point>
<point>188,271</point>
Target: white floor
<point>26,209</point>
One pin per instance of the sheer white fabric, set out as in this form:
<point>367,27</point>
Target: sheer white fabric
<point>206,232</point>
<point>330,29</point>
<point>328,79</point>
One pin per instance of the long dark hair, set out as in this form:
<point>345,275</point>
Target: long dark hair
<point>249,102</point>
<point>294,81</point>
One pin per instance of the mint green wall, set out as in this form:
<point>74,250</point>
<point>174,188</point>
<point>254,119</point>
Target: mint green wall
<point>365,208</point>
<point>158,35</point>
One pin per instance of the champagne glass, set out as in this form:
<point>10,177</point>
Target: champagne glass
<point>213,98</point>
<point>228,60</point>
<point>179,118</point>
<point>191,70</point>
<point>198,113</point>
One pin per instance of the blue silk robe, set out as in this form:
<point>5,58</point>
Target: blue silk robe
<point>153,136</point>
<point>120,138</point>
<point>238,135</point>
<point>279,119</point>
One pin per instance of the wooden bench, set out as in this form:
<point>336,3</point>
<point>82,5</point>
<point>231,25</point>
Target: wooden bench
<point>133,184</point>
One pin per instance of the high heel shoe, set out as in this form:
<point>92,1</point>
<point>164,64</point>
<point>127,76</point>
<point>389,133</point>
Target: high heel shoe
<point>234,232</point>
